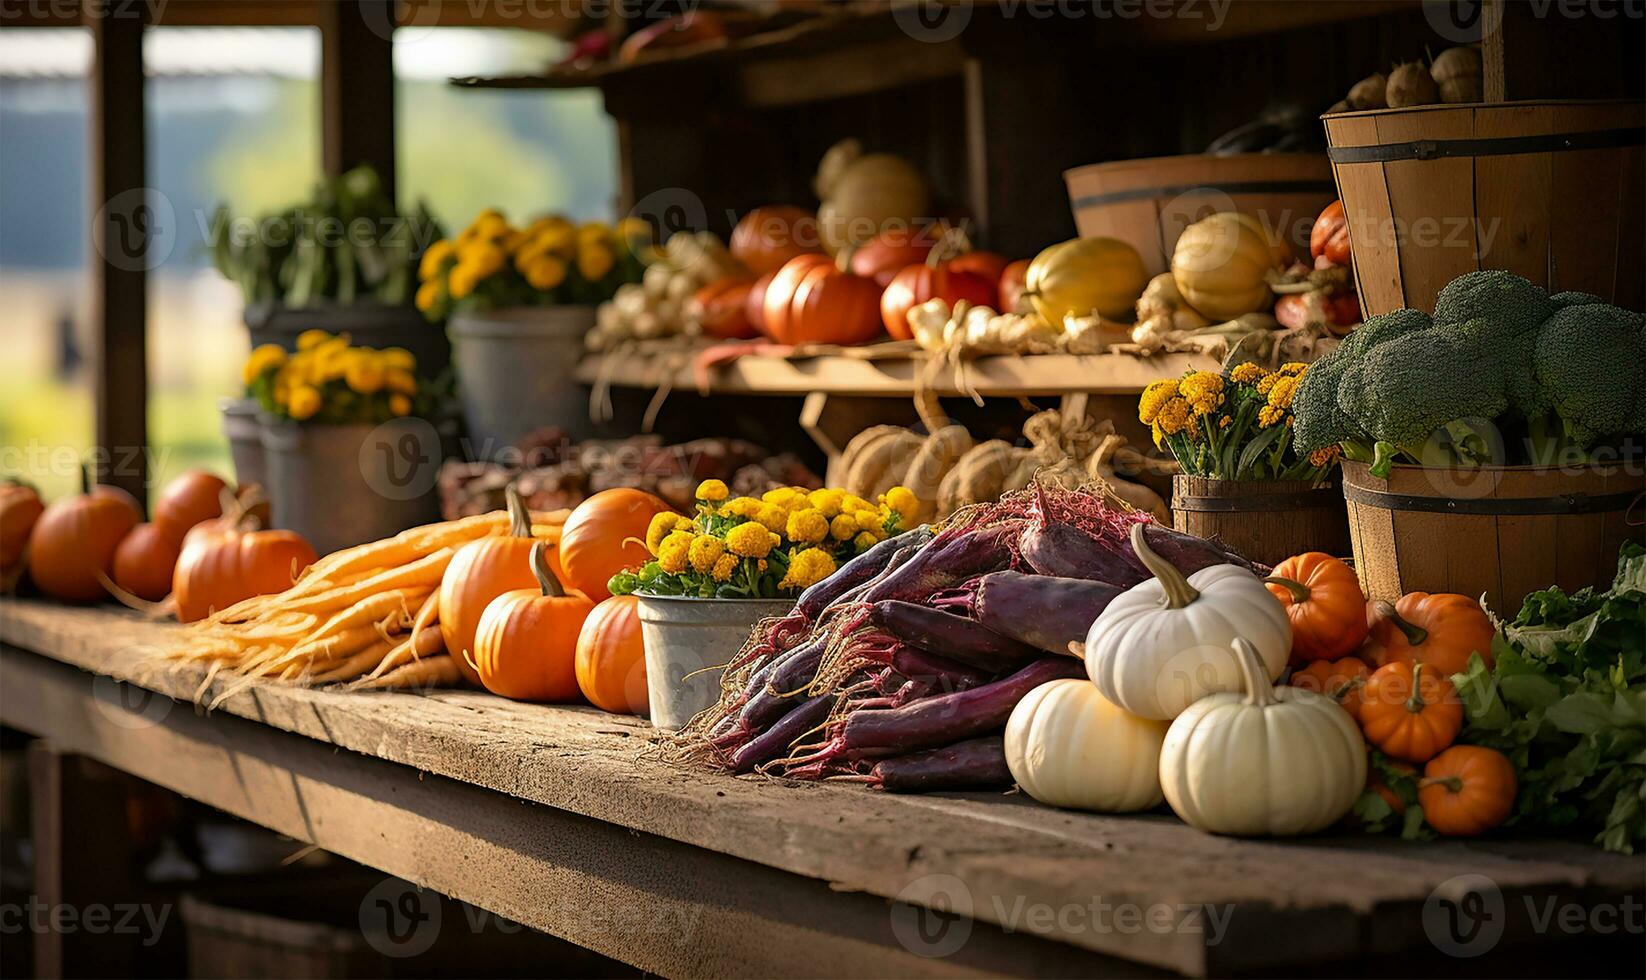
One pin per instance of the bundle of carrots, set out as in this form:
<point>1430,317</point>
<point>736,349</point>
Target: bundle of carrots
<point>365,617</point>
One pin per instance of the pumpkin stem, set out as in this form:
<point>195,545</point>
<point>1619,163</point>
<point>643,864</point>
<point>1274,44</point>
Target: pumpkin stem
<point>520,519</point>
<point>1259,692</point>
<point>1179,592</point>
<point>1415,704</point>
<point>950,244</point>
<point>1300,592</point>
<point>545,576</point>
<point>1453,784</point>
<point>1415,634</point>
<point>843,261</point>
<point>85,477</point>
<point>1342,690</point>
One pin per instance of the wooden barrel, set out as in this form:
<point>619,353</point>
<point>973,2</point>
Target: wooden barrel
<point>1553,191</point>
<point>1501,532</point>
<point>1268,521</point>
<point>1147,203</point>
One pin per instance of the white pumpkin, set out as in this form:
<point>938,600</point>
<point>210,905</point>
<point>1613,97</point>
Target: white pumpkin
<point>1163,644</point>
<point>1067,745</point>
<point>1270,762</point>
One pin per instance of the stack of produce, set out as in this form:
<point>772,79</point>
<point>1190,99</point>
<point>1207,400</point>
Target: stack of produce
<point>1322,294</point>
<point>1502,374</point>
<point>947,469</point>
<point>901,668</point>
<point>553,471</point>
<point>1456,75</point>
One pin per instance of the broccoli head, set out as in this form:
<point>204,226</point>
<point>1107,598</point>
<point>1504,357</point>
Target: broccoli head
<point>1320,422</point>
<point>1500,298</point>
<point>1591,360</point>
<point>1431,394</point>
<point>1574,298</point>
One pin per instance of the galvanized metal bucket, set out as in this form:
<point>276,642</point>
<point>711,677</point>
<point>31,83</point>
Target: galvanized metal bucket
<point>343,485</point>
<point>517,371</point>
<point>685,636</point>
<point>245,435</point>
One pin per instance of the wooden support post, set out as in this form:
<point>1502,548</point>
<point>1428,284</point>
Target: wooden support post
<point>357,87</point>
<point>125,227</point>
<point>82,866</point>
<point>1541,51</point>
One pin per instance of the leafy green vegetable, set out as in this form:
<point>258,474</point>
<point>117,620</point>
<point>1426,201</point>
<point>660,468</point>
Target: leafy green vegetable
<point>1566,702</point>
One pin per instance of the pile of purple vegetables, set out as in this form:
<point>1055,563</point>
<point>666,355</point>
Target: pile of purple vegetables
<point>901,669</point>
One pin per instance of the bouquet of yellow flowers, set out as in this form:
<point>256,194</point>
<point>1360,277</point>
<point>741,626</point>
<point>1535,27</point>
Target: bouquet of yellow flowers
<point>1233,426</point>
<point>492,264</point>
<point>768,547</point>
<point>328,381</point>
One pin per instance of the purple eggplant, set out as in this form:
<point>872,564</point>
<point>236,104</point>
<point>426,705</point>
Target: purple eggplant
<point>771,743</point>
<point>953,556</point>
<point>859,570</point>
<point>1066,551</point>
<point>950,635</point>
<point>1041,611</point>
<point>1189,554</point>
<point>977,763</point>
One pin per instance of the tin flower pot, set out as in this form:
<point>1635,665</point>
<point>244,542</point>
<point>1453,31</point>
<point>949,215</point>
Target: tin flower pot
<point>687,642</point>
<point>517,371</point>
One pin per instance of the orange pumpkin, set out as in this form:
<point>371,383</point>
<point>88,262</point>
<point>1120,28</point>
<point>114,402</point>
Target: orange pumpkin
<point>228,559</point>
<point>1467,790</point>
<point>1410,711</point>
<point>604,535</point>
<point>720,308</point>
<point>144,562</point>
<point>481,571</point>
<point>1323,600</point>
<point>20,508</point>
<point>525,647</point>
<point>888,253</point>
<point>989,265</point>
<point>754,304</point>
<point>816,300</point>
<point>611,657</point>
<point>1441,630</point>
<point>1012,286</point>
<point>192,497</point>
<point>1341,680</point>
<point>1329,238</point>
<point>74,540</point>
<point>936,278</point>
<point>766,238</point>
<point>777,299</point>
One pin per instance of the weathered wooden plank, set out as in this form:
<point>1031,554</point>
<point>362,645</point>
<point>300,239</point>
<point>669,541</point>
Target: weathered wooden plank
<point>1333,897</point>
<point>357,88</point>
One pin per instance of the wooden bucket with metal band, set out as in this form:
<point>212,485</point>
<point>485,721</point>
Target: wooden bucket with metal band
<point>1267,521</point>
<point>1553,191</point>
<point>1501,532</point>
<point>1147,203</point>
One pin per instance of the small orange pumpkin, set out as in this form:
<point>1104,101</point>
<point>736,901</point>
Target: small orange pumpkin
<point>720,309</point>
<point>1410,711</point>
<point>192,497</point>
<point>1323,600</point>
<point>144,562</point>
<point>1467,790</point>
<point>481,571</point>
<point>816,300</point>
<point>767,237</point>
<point>20,508</point>
<point>611,657</point>
<point>1012,286</point>
<point>525,647</point>
<point>72,546</point>
<point>604,535</point>
<point>1341,680</point>
<point>228,559</point>
<point>1441,630</point>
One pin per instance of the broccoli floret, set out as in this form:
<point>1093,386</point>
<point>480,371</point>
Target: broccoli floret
<point>1431,394</point>
<point>1498,297</point>
<point>1573,298</point>
<point>1591,360</point>
<point>1320,422</point>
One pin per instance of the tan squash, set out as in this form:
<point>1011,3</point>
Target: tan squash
<point>1221,265</point>
<point>863,194</point>
<point>938,454</point>
<point>1083,275</point>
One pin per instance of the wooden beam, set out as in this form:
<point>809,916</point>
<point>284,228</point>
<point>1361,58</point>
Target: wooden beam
<point>1532,51</point>
<point>129,220</point>
<point>357,87</point>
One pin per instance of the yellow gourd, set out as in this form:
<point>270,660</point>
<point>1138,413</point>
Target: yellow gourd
<point>865,194</point>
<point>1083,275</point>
<point>1221,265</point>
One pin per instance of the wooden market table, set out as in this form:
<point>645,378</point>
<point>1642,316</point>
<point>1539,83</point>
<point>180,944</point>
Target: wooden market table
<point>555,816</point>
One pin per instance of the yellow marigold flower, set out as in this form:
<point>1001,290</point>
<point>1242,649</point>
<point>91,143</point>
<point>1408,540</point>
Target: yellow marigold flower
<point>399,404</point>
<point>1280,396</point>
<point>828,501</point>
<point>749,541</point>
<point>1247,373</point>
<point>267,357</point>
<point>398,358</point>
<point>1269,415</point>
<point>843,527</point>
<point>724,566</point>
<point>762,564</point>
<point>515,238</point>
<point>400,382</point>
<point>489,223</point>
<point>485,258</point>
<point>806,568</point>
<point>1225,421</point>
<point>807,526</point>
<point>706,552</point>
<point>593,231</point>
<point>434,258</point>
<point>1203,390</point>
<point>851,503</point>
<point>363,373</point>
<point>632,227</point>
<point>304,402</point>
<point>595,261</point>
<point>1206,404</point>
<point>781,496</point>
<point>462,280</point>
<point>864,541</point>
<point>907,505</point>
<point>1294,367</point>
<point>674,553</point>
<point>771,517</point>
<point>712,490</point>
<point>740,507</point>
<point>1266,383</point>
<point>1154,398</point>
<point>1159,435</point>
<point>310,339</point>
<point>1175,417</point>
<point>546,272</point>
<point>662,523</point>
<point>428,294</point>
<point>559,239</point>
<point>1326,455</point>
<point>872,521</point>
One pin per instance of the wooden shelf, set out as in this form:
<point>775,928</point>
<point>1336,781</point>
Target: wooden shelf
<point>997,376</point>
